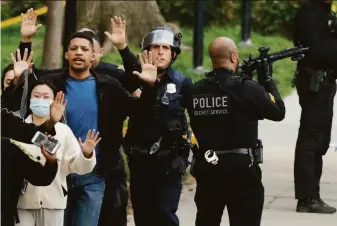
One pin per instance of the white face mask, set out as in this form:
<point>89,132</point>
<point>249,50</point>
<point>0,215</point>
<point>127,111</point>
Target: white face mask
<point>40,107</point>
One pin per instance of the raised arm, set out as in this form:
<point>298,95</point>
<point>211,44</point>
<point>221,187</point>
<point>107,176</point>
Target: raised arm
<point>130,62</point>
<point>11,97</point>
<point>266,101</point>
<point>135,105</point>
<point>28,31</point>
<point>11,125</point>
<point>80,157</point>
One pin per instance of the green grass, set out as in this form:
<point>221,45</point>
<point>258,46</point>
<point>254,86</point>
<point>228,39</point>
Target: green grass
<point>283,70</point>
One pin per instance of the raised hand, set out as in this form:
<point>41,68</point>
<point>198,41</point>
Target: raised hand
<point>28,25</point>
<point>57,107</point>
<point>149,71</point>
<point>21,64</point>
<point>90,143</point>
<point>117,35</point>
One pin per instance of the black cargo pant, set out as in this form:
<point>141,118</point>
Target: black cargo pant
<point>314,134</point>
<point>232,184</point>
<point>155,190</point>
<point>115,200</point>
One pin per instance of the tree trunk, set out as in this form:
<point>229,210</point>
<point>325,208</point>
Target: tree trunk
<point>88,14</point>
<point>53,38</point>
<point>140,16</point>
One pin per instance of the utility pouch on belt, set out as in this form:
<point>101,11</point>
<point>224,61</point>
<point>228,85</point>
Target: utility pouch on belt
<point>258,152</point>
<point>316,78</point>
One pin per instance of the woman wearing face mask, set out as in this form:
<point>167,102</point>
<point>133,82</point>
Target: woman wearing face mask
<point>44,206</point>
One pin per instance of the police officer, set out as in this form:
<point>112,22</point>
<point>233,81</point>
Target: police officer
<point>154,143</point>
<point>224,110</point>
<point>316,28</point>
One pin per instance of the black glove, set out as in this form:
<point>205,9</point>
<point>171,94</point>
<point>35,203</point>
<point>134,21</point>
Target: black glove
<point>264,71</point>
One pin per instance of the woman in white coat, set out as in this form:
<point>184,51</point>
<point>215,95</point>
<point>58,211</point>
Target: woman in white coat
<point>44,206</point>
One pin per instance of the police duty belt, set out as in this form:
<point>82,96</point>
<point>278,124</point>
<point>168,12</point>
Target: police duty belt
<point>211,155</point>
<point>155,149</point>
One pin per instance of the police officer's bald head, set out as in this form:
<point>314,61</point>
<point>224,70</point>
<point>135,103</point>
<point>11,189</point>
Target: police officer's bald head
<point>223,53</point>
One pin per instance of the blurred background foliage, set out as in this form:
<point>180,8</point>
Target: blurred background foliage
<point>217,12</point>
<point>269,17</point>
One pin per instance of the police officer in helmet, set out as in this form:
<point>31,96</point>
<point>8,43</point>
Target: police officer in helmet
<point>154,143</point>
<point>315,26</point>
<point>224,110</point>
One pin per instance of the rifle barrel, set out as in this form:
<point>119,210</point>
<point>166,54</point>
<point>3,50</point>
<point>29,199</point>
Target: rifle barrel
<point>285,54</point>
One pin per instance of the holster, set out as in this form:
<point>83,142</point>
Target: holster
<point>195,154</point>
<point>258,152</point>
<point>317,77</point>
<point>180,153</point>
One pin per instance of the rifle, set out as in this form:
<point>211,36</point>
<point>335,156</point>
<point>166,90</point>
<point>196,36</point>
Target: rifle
<point>264,59</point>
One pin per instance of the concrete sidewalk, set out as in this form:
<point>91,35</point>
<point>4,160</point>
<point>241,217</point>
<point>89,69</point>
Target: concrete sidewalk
<point>279,140</point>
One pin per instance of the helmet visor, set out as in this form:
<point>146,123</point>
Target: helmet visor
<point>158,37</point>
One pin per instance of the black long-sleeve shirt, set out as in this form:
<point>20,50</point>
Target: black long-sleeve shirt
<point>14,127</point>
<point>16,166</point>
<point>224,120</point>
<point>311,30</point>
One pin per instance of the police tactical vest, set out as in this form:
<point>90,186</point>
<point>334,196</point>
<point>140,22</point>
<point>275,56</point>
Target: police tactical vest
<point>218,114</point>
<point>166,119</point>
<point>168,106</point>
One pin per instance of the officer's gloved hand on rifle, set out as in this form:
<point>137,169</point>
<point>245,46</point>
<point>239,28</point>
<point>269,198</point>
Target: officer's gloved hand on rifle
<point>264,73</point>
